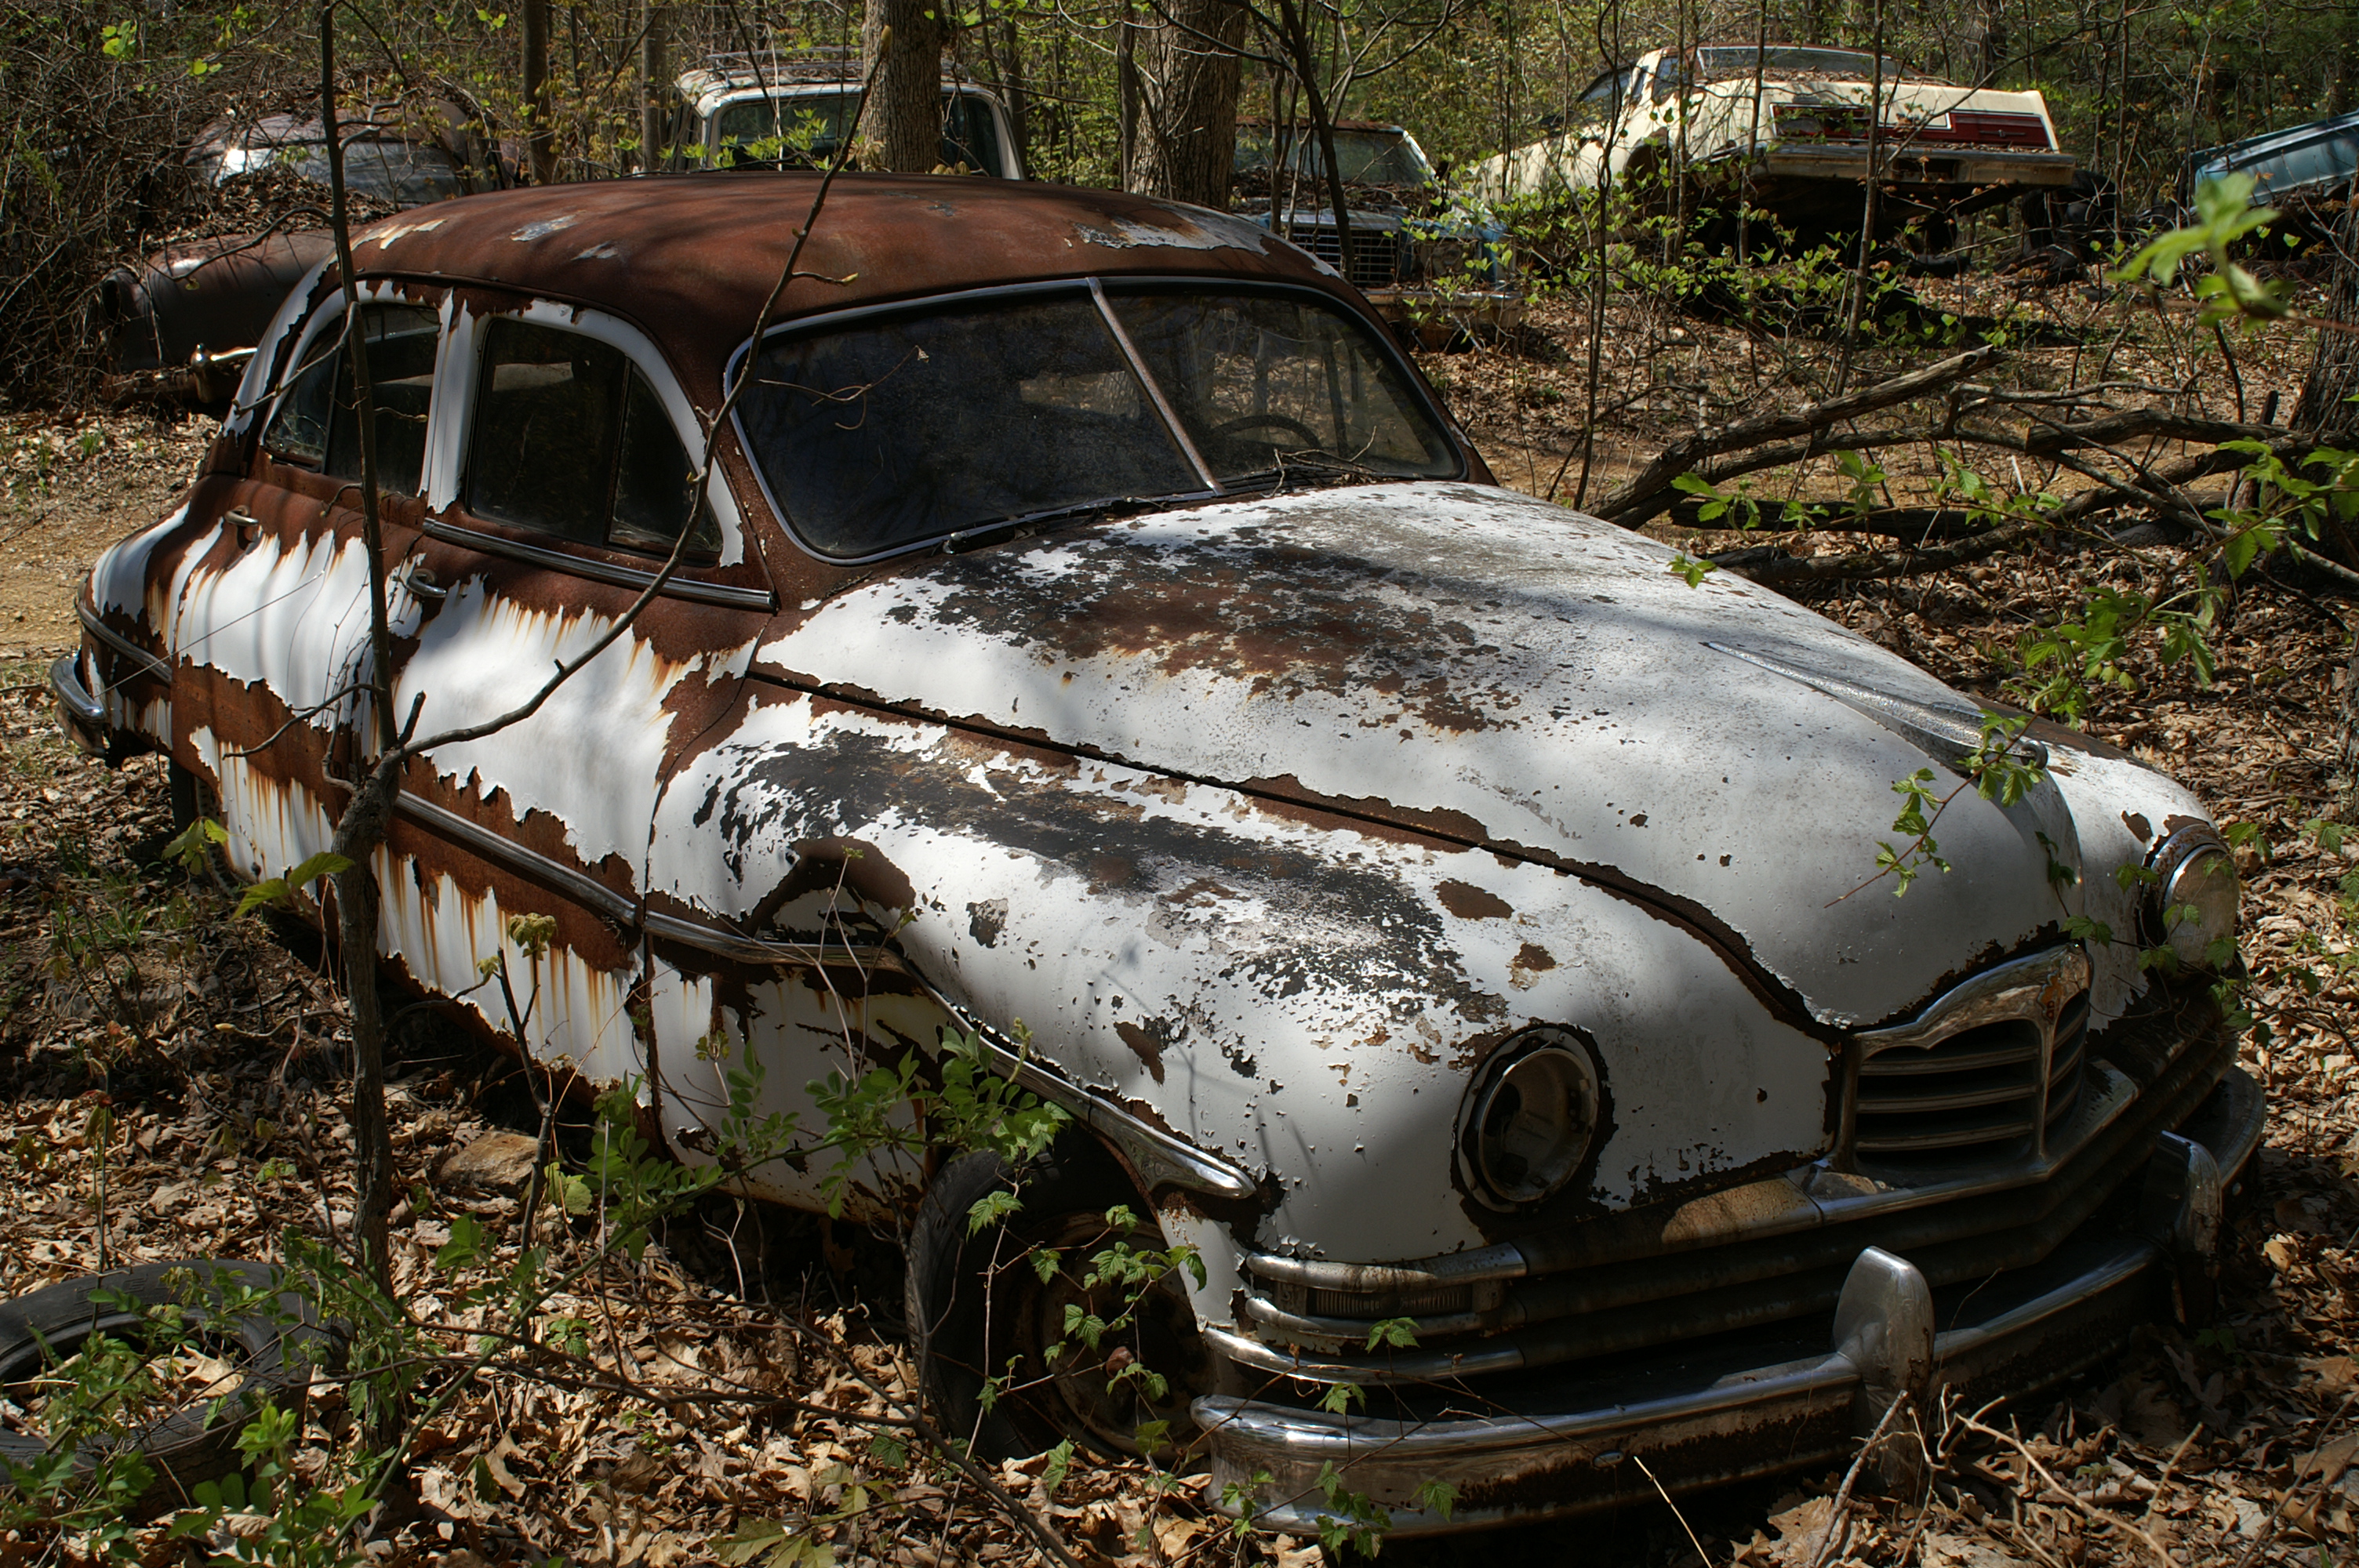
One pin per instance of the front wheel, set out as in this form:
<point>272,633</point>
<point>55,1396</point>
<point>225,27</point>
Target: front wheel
<point>1002,1317</point>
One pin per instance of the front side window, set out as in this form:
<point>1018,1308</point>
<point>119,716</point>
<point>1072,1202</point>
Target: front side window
<point>317,423</point>
<point>571,440</point>
<point>895,429</point>
<point>1262,381</point>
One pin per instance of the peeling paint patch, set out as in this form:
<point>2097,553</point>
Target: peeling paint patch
<point>542,228</point>
<point>1468,902</point>
<point>1194,231</point>
<point>386,237</point>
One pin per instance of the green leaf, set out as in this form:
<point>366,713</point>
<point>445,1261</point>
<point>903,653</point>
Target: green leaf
<point>466,1243</point>
<point>277,890</point>
<point>1061,1460</point>
<point>1693,570</point>
<point>1400,1333</point>
<point>990,1209</point>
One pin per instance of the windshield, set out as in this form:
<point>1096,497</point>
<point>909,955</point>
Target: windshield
<point>403,174</point>
<point>890,431</point>
<point>1368,157</point>
<point>804,130</point>
<point>1849,65</point>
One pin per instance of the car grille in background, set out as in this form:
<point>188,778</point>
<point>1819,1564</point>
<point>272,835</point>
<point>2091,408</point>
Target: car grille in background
<point>1375,254</point>
<point>1992,1091</point>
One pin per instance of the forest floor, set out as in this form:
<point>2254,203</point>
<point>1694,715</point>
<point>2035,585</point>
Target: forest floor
<point>214,1047</point>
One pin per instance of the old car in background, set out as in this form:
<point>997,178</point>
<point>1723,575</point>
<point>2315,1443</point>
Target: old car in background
<point>789,109</point>
<point>2301,163</point>
<point>189,314</point>
<point>2304,171</point>
<point>1457,929</point>
<point>1688,127</point>
<point>1428,261</point>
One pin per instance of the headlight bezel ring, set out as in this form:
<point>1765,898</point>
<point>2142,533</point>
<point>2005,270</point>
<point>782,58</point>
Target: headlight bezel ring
<point>2192,869</point>
<point>1532,1119</point>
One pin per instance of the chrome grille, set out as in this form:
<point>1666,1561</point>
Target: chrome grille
<point>1990,1071</point>
<point>1375,254</point>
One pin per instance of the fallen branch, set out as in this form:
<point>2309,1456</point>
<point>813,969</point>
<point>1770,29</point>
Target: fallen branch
<point>1685,453</point>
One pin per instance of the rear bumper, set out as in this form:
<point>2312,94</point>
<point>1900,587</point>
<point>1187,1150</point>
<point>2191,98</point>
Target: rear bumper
<point>1908,165</point>
<point>1756,1404</point>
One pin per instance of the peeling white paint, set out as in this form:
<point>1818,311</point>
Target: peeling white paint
<point>591,756</point>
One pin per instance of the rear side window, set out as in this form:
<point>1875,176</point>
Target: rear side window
<point>569,440</point>
<point>317,424</point>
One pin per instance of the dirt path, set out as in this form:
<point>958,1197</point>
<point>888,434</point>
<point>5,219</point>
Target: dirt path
<point>67,492</point>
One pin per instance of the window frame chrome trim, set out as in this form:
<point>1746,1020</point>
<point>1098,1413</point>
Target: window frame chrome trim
<point>735,596</point>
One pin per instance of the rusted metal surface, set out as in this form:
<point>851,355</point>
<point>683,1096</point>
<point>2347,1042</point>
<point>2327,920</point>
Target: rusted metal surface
<point>1276,818</point>
<point>197,311</point>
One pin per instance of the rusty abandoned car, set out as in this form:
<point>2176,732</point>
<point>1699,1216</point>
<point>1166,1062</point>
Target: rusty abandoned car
<point>1428,907</point>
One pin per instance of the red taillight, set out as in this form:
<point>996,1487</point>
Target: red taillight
<point>1986,127</point>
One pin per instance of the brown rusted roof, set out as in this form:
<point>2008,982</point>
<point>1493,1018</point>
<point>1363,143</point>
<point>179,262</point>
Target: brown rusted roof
<point>692,257</point>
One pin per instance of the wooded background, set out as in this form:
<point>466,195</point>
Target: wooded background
<point>103,96</point>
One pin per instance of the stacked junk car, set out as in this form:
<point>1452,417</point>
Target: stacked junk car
<point>1427,906</point>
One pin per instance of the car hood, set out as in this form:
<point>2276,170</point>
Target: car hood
<point>1496,673</point>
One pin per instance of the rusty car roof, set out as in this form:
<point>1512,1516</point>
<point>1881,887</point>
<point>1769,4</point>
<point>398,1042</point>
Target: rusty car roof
<point>693,256</point>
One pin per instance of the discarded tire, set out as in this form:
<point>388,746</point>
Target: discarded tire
<point>274,1352</point>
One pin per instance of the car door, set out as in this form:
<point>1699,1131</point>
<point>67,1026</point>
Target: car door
<point>269,628</point>
<point>559,487</point>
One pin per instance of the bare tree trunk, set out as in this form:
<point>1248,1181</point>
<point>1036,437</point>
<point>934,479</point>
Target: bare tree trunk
<point>1125,95</point>
<point>655,91</point>
<point>2325,408</point>
<point>541,130</point>
<point>901,47</point>
<point>362,826</point>
<point>1186,147</point>
<point>1306,75</point>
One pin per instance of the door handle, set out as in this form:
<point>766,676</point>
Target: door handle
<point>245,523</point>
<point>423,586</point>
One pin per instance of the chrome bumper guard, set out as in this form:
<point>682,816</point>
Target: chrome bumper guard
<point>83,716</point>
<point>1696,1422</point>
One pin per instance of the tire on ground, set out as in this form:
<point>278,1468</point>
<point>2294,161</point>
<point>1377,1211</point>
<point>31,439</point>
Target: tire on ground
<point>274,1352</point>
<point>975,1306</point>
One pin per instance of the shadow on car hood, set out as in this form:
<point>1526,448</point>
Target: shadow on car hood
<point>1493,673</point>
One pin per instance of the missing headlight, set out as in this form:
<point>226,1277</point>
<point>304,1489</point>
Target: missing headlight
<point>1528,1119</point>
<point>2192,902</point>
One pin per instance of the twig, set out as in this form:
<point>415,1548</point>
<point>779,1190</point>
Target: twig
<point>1701,1555</point>
<point>1851,1478</point>
<point>2089,1511</point>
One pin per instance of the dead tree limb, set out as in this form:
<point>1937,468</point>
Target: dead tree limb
<point>1685,453</point>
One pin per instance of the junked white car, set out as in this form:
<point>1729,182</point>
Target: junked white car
<point>1788,126</point>
<point>1428,908</point>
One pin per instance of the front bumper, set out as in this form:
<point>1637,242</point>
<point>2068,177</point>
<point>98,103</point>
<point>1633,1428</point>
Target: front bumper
<point>82,716</point>
<point>1757,1404</point>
